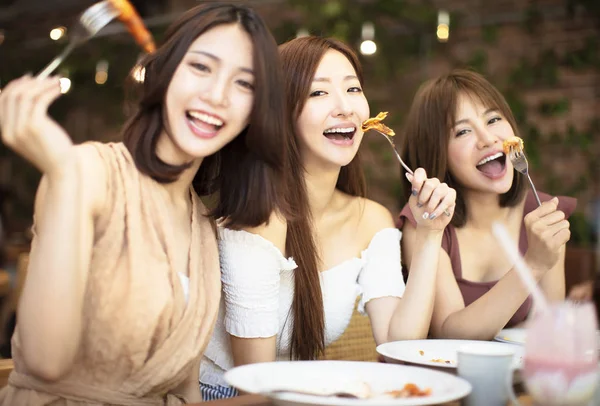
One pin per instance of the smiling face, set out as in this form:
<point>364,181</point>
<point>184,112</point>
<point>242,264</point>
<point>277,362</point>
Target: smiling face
<point>475,156</point>
<point>330,122</point>
<point>210,97</point>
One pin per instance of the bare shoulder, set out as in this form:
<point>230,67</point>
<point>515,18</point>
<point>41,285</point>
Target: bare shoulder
<point>371,217</point>
<point>275,230</point>
<point>94,175</point>
<point>374,216</point>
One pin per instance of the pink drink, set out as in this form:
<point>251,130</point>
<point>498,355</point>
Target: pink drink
<point>560,381</point>
<point>561,356</point>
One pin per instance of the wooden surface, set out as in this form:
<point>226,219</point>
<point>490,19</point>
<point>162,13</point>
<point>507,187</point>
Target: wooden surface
<point>6,366</point>
<point>256,400</point>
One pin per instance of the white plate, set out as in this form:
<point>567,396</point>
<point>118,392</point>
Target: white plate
<point>436,353</point>
<point>518,336</point>
<point>512,336</point>
<point>331,376</point>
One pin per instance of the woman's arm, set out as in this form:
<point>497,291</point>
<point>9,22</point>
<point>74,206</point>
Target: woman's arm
<point>50,308</point>
<point>264,289</point>
<point>189,389</point>
<point>253,350</point>
<point>547,233</point>
<point>483,318</point>
<point>553,282</point>
<point>394,319</point>
<point>51,303</point>
<point>410,317</point>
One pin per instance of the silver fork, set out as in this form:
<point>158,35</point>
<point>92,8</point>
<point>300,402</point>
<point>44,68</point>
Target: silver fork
<point>92,20</point>
<point>341,394</point>
<point>406,168</point>
<point>519,161</point>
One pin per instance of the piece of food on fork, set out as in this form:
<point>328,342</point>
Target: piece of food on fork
<point>375,123</point>
<point>135,24</point>
<point>514,143</point>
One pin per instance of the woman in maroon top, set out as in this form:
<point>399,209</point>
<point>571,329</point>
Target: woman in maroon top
<point>455,130</point>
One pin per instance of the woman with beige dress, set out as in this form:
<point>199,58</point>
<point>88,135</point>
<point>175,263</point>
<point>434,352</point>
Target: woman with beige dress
<point>123,283</point>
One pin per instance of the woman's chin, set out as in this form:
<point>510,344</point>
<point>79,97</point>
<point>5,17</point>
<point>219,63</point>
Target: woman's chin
<point>342,159</point>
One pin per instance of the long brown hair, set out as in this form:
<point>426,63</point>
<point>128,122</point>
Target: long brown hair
<point>300,59</point>
<point>428,127</point>
<point>245,173</point>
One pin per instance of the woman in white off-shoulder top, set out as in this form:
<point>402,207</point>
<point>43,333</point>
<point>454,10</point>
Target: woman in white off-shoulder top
<point>289,286</point>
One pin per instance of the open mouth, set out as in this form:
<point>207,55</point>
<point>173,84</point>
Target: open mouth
<point>492,165</point>
<point>340,133</point>
<point>204,122</point>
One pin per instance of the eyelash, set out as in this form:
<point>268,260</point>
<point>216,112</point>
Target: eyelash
<point>203,68</point>
<point>200,67</point>
<point>354,89</point>
<point>245,84</point>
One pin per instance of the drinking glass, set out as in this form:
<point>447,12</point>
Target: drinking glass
<point>561,355</point>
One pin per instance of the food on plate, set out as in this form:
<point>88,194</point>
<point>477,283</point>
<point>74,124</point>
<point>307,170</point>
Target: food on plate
<point>375,123</point>
<point>441,361</point>
<point>410,390</point>
<point>135,24</point>
<point>514,143</point>
<point>421,352</point>
<point>362,390</point>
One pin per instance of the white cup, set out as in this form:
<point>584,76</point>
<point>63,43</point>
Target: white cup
<point>489,369</point>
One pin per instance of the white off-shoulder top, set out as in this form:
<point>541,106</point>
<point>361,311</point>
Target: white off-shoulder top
<point>258,286</point>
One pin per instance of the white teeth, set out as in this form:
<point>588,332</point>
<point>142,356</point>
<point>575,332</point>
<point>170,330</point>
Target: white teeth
<point>340,130</point>
<point>206,118</point>
<point>490,158</point>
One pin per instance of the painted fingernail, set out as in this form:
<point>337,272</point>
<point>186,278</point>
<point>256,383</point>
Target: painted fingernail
<point>419,205</point>
<point>425,216</point>
<point>431,217</point>
<point>414,192</point>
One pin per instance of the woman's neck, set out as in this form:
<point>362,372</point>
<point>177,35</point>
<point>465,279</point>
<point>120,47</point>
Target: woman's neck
<point>169,153</point>
<point>320,187</point>
<point>483,209</point>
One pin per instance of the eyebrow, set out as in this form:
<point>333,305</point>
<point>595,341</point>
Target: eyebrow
<point>349,77</point>
<point>464,120</point>
<point>217,59</point>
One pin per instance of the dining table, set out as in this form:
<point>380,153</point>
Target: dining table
<point>258,400</point>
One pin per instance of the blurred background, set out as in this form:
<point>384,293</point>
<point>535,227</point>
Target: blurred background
<point>543,55</point>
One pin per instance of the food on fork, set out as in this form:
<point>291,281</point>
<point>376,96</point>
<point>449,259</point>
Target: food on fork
<point>376,124</point>
<point>134,24</point>
<point>514,143</point>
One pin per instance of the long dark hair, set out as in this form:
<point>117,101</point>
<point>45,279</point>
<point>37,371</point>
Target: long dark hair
<point>300,59</point>
<point>245,175</point>
<point>429,123</point>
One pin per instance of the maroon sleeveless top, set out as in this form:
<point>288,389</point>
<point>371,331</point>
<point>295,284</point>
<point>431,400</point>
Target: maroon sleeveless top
<point>471,291</point>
